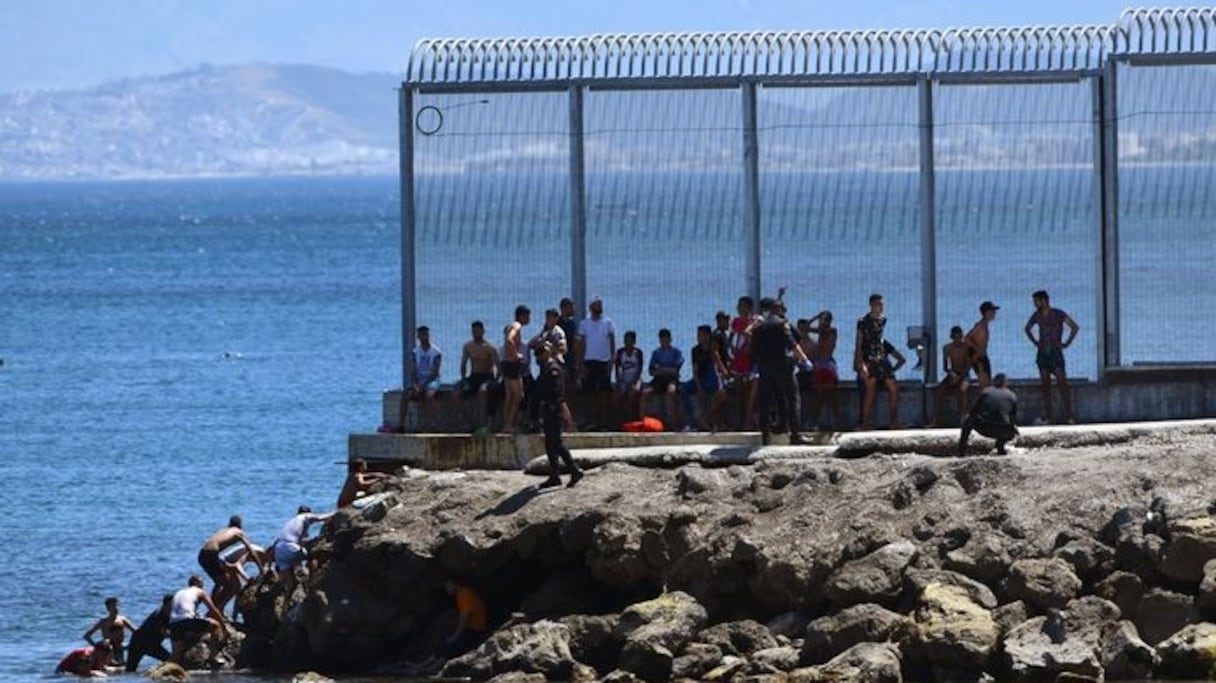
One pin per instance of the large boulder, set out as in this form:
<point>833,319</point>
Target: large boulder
<point>774,660</point>
<point>1125,589</point>
<point>1161,613</point>
<point>1036,650</point>
<point>1090,558</point>
<point>1192,543</point>
<point>950,628</point>
<point>831,635</point>
<point>738,637</point>
<point>876,577</point>
<point>542,647</point>
<point>985,557</point>
<point>1068,642</point>
<point>696,660</point>
<point>862,663</point>
<point>1042,584</point>
<point>1190,653</point>
<point>593,639</point>
<point>1206,599</point>
<point>919,579</point>
<point>652,631</point>
<point>1123,654</point>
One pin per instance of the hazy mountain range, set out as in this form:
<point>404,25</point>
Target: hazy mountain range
<point>277,120</point>
<point>211,121</point>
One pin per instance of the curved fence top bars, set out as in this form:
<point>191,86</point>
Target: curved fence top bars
<point>810,54</point>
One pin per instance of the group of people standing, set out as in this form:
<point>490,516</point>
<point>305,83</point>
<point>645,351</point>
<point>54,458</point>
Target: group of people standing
<point>726,364</point>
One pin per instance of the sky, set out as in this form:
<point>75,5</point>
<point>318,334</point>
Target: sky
<point>69,44</point>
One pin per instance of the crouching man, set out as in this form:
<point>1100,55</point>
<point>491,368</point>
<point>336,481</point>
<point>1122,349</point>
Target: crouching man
<point>994,415</point>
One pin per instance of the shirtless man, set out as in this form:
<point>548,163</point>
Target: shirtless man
<point>956,360</point>
<point>478,370</point>
<point>977,340</point>
<point>111,628</point>
<point>225,575</point>
<point>358,481</point>
<point>512,367</point>
<point>1050,357</point>
<point>805,377</point>
<point>823,360</point>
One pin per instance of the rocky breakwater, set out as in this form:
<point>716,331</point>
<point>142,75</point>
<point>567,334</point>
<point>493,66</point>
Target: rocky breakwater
<point>1087,563</point>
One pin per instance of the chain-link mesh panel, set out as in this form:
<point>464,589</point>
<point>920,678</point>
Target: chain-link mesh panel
<point>493,205</point>
<point>1016,213</point>
<point>840,204</point>
<point>665,240</point>
<point>1167,213</point>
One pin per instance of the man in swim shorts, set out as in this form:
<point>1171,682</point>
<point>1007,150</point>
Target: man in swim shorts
<point>478,370</point>
<point>824,375</point>
<point>225,575</point>
<point>1050,356</point>
<point>977,341</point>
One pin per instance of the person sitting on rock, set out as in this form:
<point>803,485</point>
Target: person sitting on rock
<point>994,415</point>
<point>86,662</point>
<point>471,618</point>
<point>358,482</point>
<point>186,625</point>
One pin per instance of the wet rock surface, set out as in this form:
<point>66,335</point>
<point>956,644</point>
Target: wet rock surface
<point>1083,563</point>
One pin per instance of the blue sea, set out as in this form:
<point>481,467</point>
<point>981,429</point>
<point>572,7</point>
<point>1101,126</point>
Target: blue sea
<point>175,352</point>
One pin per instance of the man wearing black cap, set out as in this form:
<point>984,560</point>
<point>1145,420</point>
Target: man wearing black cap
<point>977,343</point>
<point>771,339</point>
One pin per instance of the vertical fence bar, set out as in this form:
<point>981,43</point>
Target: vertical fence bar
<point>751,190</point>
<point>578,202</point>
<point>1106,130</point>
<point>409,217</point>
<point>928,225</point>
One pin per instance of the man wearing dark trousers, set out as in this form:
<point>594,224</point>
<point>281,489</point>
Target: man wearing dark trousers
<point>771,339</point>
<point>994,415</point>
<point>550,386</point>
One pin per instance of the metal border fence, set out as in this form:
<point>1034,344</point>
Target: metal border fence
<point>749,61</point>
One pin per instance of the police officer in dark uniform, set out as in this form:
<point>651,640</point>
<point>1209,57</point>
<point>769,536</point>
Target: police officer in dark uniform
<point>772,337</point>
<point>550,386</point>
<point>994,414</point>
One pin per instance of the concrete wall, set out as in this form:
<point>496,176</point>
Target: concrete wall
<point>1125,395</point>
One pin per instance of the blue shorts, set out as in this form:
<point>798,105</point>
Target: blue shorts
<point>432,385</point>
<point>288,556</point>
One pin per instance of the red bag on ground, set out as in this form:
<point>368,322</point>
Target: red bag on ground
<point>646,424</point>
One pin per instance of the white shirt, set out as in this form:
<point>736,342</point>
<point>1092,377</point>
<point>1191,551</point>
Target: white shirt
<point>425,361</point>
<point>595,334</point>
<point>296,528</point>
<point>185,604</point>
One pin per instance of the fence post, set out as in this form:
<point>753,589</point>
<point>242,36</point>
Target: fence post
<point>405,130</point>
<point>1106,145</point>
<point>578,202</point>
<point>928,225</point>
<point>751,190</point>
